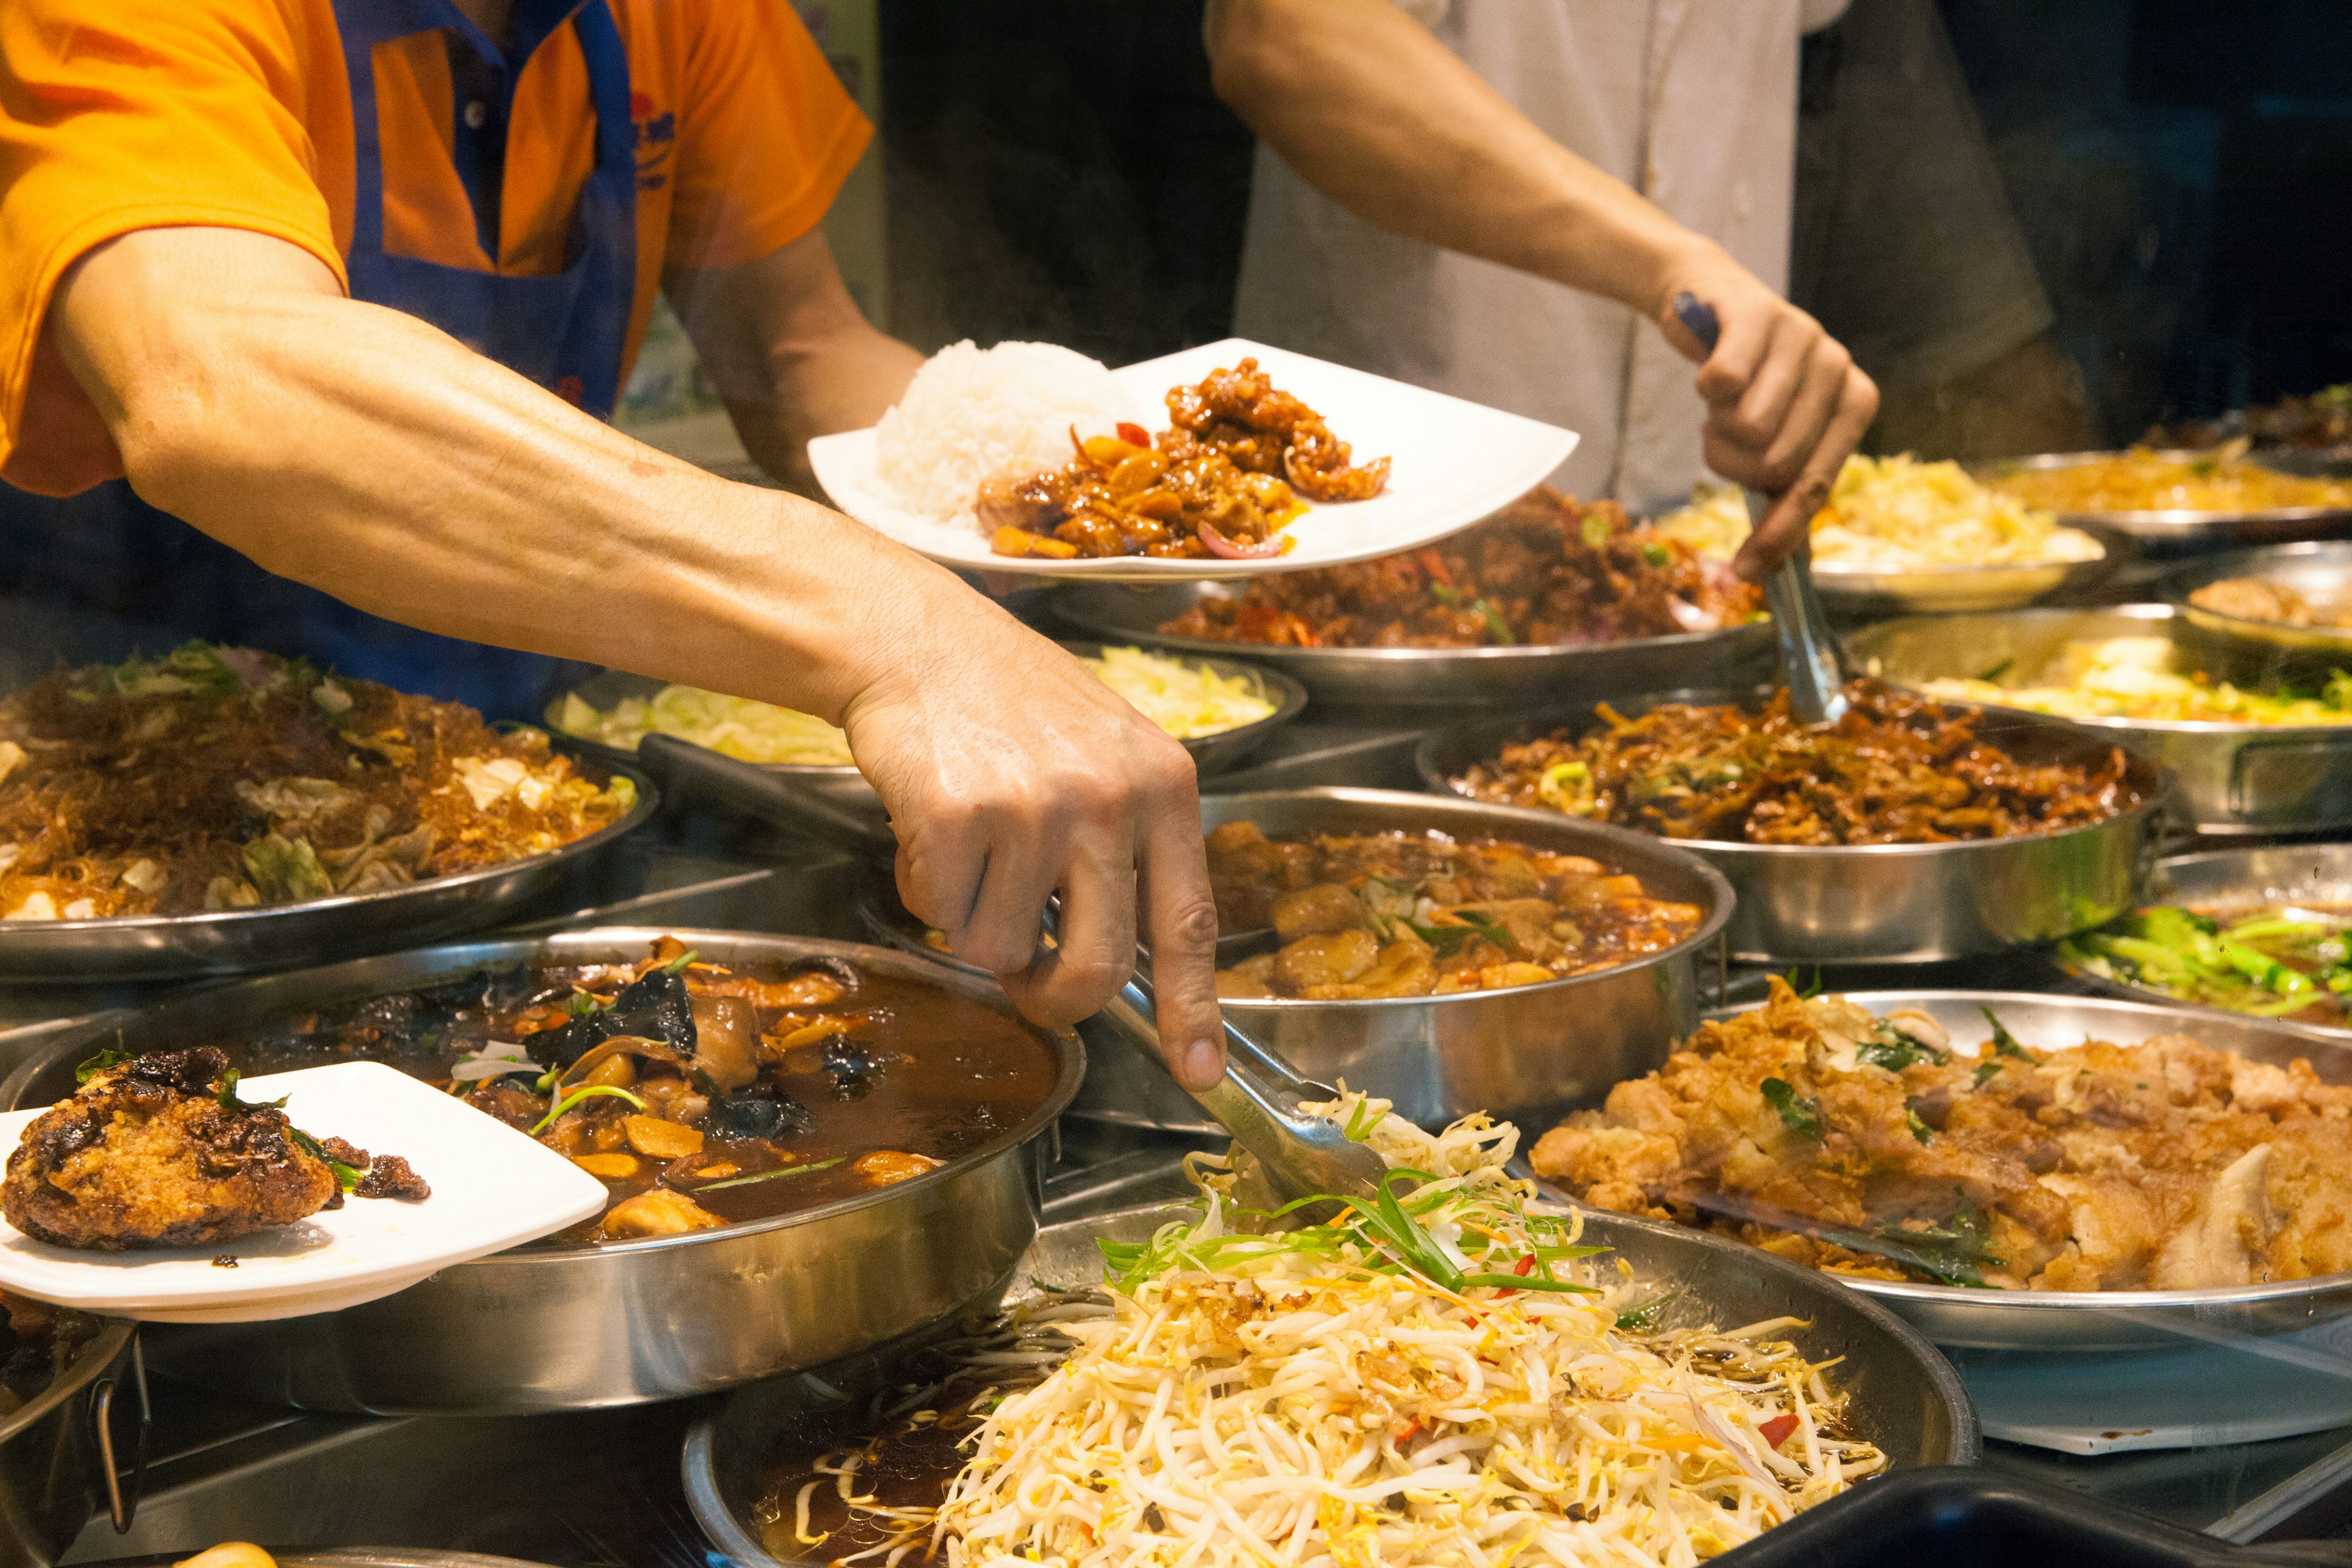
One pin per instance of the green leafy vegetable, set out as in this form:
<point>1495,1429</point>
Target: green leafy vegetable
<point>226,1096</point>
<point>576,1096</point>
<point>1919,1128</point>
<point>1657,554</point>
<point>1892,1048</point>
<point>93,1066</point>
<point>1985,1071</point>
<point>2003,1042</point>
<point>677,965</point>
<point>1799,1113</point>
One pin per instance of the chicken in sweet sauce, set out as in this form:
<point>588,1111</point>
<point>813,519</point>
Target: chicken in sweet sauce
<point>1418,914</point>
<point>1240,460</point>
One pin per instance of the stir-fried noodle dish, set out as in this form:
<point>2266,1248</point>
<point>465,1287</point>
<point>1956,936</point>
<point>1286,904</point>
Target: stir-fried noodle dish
<point>218,778</point>
<point>1445,1375</point>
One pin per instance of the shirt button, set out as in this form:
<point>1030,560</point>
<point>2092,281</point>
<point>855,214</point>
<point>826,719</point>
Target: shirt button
<point>477,113</point>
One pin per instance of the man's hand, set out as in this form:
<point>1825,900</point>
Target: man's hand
<point>1786,406</point>
<point>1011,774</point>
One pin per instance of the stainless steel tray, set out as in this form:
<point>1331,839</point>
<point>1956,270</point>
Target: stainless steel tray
<point>2182,532</point>
<point>1530,1050</point>
<point>2104,1319</point>
<point>1886,902</point>
<point>1212,754</point>
<point>2319,572</point>
<point>555,1328</point>
<point>1906,1398</point>
<point>2234,778</point>
<point>1942,590</point>
<point>2316,872</point>
<point>315,931</point>
<point>1424,677</point>
<point>75,1450</point>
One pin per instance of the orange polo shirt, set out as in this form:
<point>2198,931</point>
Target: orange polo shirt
<point>118,115</point>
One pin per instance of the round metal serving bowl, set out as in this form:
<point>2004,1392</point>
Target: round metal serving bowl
<point>1904,1397</point>
<point>845,786</point>
<point>314,930</point>
<point>2239,879</point>
<point>1425,676</point>
<point>2234,778</point>
<point>1532,1050</point>
<point>1886,902</point>
<point>1942,590</point>
<point>2178,532</point>
<point>73,1450</point>
<point>2104,1320</point>
<point>551,1326</point>
<point>2320,573</point>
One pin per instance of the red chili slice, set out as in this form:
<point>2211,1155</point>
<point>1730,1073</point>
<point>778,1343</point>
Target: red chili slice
<point>1776,1431</point>
<point>1134,435</point>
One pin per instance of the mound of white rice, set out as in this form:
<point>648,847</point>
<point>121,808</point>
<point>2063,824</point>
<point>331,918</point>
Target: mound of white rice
<point>973,413</point>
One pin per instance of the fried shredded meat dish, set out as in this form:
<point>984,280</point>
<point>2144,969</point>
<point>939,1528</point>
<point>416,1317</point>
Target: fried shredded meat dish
<point>1547,570</point>
<point>1896,768</point>
<point>2315,423</point>
<point>1399,914</point>
<point>1223,480</point>
<point>2259,599</point>
<point>222,778</point>
<point>147,1154</point>
<point>1872,1146</point>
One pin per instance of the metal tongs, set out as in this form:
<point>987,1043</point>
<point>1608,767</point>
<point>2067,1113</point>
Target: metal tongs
<point>1809,649</point>
<point>1257,1101</point>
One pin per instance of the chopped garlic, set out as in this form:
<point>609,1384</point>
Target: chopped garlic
<point>145,875</point>
<point>39,907</point>
<point>81,910</point>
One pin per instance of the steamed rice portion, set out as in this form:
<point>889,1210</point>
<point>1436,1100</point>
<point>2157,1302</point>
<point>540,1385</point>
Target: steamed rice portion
<point>974,414</point>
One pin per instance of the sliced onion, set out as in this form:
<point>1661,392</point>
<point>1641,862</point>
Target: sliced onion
<point>1690,617</point>
<point>1220,545</point>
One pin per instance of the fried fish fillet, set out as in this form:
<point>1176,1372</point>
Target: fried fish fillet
<point>146,1154</point>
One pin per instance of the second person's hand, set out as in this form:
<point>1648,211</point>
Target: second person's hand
<point>1786,403</point>
<point>1011,774</point>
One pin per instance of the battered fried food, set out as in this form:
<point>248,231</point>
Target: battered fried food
<point>150,1152</point>
<point>1870,1146</point>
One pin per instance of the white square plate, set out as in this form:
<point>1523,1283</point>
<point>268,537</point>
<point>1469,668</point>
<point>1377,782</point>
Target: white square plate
<point>1451,463</point>
<point>492,1188</point>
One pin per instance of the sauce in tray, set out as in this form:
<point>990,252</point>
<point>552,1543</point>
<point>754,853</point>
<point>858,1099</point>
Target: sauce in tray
<point>700,1095</point>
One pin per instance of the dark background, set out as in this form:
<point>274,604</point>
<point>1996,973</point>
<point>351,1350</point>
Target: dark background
<point>2181,171</point>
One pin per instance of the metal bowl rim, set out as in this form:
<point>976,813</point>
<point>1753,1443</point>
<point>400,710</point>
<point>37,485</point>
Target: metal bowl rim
<point>1963,571</point>
<point>698,1457</point>
<point>1211,646</point>
<point>1964,1297</point>
<point>1068,1053</point>
<point>2152,800</point>
<point>2204,571</point>
<point>636,816</point>
<point>2168,517</point>
<point>1717,885</point>
<point>2169,615</point>
<point>113,1334</point>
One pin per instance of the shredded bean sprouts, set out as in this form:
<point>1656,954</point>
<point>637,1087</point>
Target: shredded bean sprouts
<point>1468,1390</point>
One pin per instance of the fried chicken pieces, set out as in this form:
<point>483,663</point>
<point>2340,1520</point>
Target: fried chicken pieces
<point>155,1152</point>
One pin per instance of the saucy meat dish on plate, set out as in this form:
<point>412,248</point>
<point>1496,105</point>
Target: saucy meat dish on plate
<point>2259,599</point>
<point>1896,768</point>
<point>1418,914</point>
<point>1545,570</point>
<point>701,1094</point>
<point>1877,1146</point>
<point>1240,460</point>
<point>218,778</point>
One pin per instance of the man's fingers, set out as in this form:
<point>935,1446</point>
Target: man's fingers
<point>1181,913</point>
<point>1738,354</point>
<point>1096,951</point>
<point>1804,425</point>
<point>1758,417</point>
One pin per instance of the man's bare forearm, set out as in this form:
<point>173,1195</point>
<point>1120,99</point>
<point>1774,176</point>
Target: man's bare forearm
<point>1375,112</point>
<point>366,453</point>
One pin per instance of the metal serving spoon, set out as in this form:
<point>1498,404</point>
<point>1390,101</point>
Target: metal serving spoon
<point>1809,649</point>
<point>1258,1099</point>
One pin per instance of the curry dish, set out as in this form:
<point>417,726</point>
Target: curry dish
<point>222,778</point>
<point>699,1094</point>
<point>2145,480</point>
<point>1545,570</point>
<point>1896,768</point>
<point>1240,460</point>
<point>1407,914</point>
<point>1874,1146</point>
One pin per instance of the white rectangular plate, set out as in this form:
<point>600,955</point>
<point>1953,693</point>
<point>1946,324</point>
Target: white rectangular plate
<point>492,1188</point>
<point>1451,463</point>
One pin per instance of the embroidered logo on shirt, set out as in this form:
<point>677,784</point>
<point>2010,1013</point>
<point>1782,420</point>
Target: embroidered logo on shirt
<point>655,135</point>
